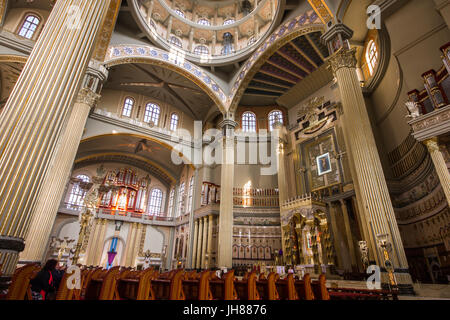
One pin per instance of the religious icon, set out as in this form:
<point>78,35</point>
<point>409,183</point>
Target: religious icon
<point>324,164</point>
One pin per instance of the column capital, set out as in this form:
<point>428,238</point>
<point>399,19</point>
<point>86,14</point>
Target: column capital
<point>88,97</point>
<point>432,144</point>
<point>344,58</point>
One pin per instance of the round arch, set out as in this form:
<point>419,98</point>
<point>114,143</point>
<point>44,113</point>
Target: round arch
<point>125,54</point>
<point>306,23</point>
<point>140,136</point>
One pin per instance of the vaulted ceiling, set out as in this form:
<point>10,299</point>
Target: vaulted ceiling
<point>162,84</point>
<point>287,67</point>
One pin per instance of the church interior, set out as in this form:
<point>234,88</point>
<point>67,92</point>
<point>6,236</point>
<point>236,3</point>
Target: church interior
<point>174,149</point>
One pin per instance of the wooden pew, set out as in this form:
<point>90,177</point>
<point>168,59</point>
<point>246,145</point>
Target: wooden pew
<point>361,294</point>
<point>286,288</point>
<point>223,289</point>
<point>319,288</point>
<point>267,287</point>
<point>246,289</point>
<point>137,285</point>
<point>304,289</point>
<point>197,287</point>
<point>92,273</point>
<point>103,286</point>
<point>169,289</point>
<point>20,288</point>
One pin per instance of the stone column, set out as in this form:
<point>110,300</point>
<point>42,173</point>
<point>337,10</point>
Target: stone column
<point>280,131</point>
<point>198,263</point>
<point>335,231</point>
<point>100,243</point>
<point>190,245</point>
<point>32,120</point>
<point>348,232</point>
<point>136,244</point>
<point>91,245</point>
<point>225,242</point>
<point>53,189</point>
<point>375,196</point>
<point>205,242</point>
<point>194,248</point>
<point>169,28</point>
<point>210,240</point>
<point>440,165</point>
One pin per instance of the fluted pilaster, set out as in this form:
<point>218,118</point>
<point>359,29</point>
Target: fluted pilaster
<point>198,263</point>
<point>205,242</point>
<point>56,179</point>
<point>225,242</point>
<point>194,247</point>
<point>440,165</point>
<point>348,232</point>
<point>210,240</point>
<point>369,174</point>
<point>32,120</point>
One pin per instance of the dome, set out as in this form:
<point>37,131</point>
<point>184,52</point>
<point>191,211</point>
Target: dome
<point>208,32</point>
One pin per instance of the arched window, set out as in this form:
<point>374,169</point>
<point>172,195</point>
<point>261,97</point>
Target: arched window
<point>204,22</point>
<point>274,117</point>
<point>372,56</point>
<point>171,203</point>
<point>152,113</point>
<point>174,122</point>
<point>227,43</point>
<point>180,200</point>
<point>190,195</point>
<point>29,26</point>
<point>128,107</point>
<point>228,21</point>
<point>249,122</point>
<point>175,41</point>
<point>154,207</point>
<point>77,194</point>
<point>201,50</point>
<point>180,13</point>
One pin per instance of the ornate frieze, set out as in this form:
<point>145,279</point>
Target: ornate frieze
<point>431,124</point>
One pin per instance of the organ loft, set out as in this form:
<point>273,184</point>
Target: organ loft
<point>235,149</point>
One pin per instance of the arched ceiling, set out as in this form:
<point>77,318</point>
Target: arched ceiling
<point>162,84</point>
<point>288,66</point>
<point>150,155</point>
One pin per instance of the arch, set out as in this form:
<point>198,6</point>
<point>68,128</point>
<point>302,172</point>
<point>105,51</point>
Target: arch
<point>306,23</point>
<point>272,118</point>
<point>127,107</point>
<point>174,121</point>
<point>176,41</point>
<point>140,136</point>
<point>152,113</point>
<point>248,122</point>
<point>123,54</point>
<point>155,201</point>
<point>37,25</point>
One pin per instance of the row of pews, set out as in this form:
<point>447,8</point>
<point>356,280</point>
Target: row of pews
<point>126,284</point>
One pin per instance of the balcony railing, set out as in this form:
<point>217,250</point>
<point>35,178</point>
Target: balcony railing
<point>124,214</point>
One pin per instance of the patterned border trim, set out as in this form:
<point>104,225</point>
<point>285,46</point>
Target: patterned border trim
<point>122,54</point>
<point>306,23</point>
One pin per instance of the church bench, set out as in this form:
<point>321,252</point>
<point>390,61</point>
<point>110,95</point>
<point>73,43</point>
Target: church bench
<point>223,289</point>
<point>103,287</point>
<point>20,288</point>
<point>304,289</point>
<point>319,288</point>
<point>247,289</point>
<point>286,288</point>
<point>136,285</point>
<point>169,289</point>
<point>267,289</point>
